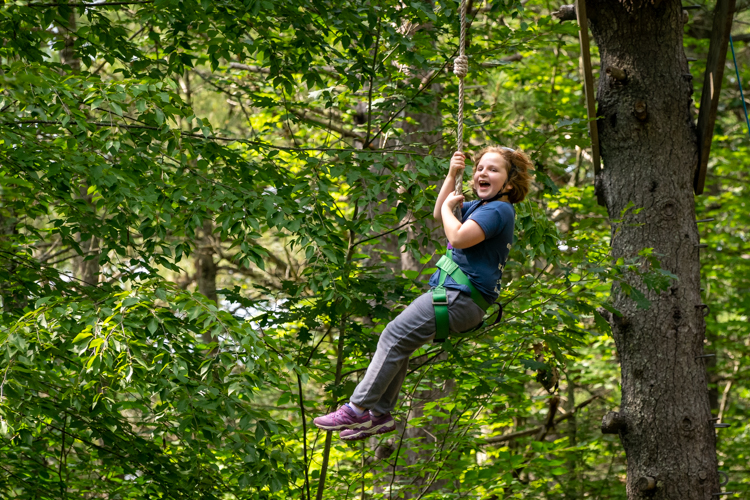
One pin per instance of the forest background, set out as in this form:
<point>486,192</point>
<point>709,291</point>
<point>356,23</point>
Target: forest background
<point>209,210</point>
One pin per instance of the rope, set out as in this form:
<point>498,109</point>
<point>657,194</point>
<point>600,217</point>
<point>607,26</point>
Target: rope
<point>739,83</point>
<point>461,69</point>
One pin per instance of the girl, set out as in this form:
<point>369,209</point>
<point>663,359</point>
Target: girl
<point>481,242</point>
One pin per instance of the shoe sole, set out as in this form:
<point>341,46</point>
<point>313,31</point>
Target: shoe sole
<point>378,429</point>
<point>340,427</point>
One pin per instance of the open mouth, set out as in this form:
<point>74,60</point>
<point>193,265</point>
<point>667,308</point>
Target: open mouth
<point>484,184</point>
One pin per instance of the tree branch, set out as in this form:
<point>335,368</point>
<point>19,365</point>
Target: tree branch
<point>217,138</point>
<point>541,428</point>
<point>265,71</point>
<point>88,5</point>
<point>363,240</point>
<point>304,432</point>
<point>330,126</point>
<point>189,134</point>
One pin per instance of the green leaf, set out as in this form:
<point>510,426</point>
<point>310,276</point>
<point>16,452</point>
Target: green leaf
<point>81,336</point>
<point>601,323</point>
<point>533,364</point>
<point>116,108</point>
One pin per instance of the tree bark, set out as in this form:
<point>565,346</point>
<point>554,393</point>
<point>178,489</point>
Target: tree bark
<point>11,290</point>
<point>85,270</point>
<point>205,266</point>
<point>88,270</point>
<point>67,54</point>
<point>205,270</point>
<point>423,133</point>
<point>649,147</point>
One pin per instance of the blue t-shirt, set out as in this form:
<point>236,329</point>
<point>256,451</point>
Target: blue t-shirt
<point>484,262</point>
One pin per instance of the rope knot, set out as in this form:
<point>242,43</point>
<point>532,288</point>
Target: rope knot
<point>461,66</point>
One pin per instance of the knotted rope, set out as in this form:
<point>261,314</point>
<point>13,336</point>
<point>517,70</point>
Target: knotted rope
<point>461,69</point>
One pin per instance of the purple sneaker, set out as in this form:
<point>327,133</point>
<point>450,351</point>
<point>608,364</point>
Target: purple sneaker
<point>343,418</point>
<point>380,425</point>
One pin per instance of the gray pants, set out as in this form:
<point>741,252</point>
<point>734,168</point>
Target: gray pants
<point>414,327</point>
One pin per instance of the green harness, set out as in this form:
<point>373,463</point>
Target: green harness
<point>440,297</point>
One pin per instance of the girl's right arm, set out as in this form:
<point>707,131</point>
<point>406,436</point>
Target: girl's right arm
<point>458,163</point>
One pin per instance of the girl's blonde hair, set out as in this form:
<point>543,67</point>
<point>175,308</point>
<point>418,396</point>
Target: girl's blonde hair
<point>517,165</point>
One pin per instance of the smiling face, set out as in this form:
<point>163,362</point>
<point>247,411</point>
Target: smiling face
<point>490,175</point>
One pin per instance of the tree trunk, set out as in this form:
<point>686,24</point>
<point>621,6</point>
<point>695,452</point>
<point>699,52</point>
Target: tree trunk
<point>649,147</point>
<point>420,134</point>
<point>11,290</point>
<point>205,266</point>
<point>87,270</point>
<point>67,54</point>
<point>205,270</point>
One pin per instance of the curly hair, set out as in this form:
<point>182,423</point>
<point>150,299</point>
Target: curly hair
<point>517,165</point>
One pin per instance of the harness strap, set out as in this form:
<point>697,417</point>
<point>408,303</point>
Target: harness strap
<point>450,268</point>
<point>440,297</point>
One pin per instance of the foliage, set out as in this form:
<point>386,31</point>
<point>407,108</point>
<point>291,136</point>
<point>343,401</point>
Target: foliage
<point>297,145</point>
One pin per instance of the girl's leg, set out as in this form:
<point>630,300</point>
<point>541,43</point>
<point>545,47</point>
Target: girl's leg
<point>401,337</point>
<point>389,398</point>
<point>415,326</point>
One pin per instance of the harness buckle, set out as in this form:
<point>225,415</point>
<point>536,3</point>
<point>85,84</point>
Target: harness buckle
<point>439,296</point>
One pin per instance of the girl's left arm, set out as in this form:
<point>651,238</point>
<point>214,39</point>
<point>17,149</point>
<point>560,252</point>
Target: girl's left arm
<point>459,235</point>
